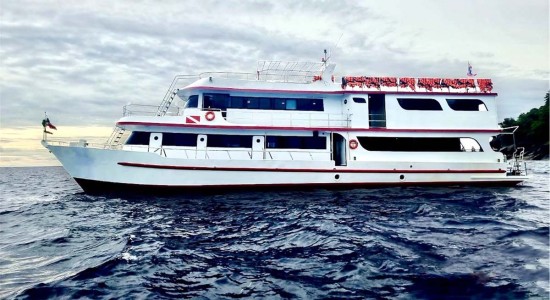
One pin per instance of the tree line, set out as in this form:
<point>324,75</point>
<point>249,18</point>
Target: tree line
<point>533,131</point>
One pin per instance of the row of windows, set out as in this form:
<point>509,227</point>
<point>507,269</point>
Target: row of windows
<point>231,141</point>
<point>432,104</point>
<point>402,144</point>
<point>225,101</point>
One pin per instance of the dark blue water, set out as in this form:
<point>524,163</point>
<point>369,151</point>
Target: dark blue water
<point>390,243</point>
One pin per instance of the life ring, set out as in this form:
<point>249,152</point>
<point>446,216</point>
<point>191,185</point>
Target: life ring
<point>210,116</point>
<point>353,144</point>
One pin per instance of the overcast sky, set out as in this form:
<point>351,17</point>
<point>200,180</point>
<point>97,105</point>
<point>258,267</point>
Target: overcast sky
<point>81,61</point>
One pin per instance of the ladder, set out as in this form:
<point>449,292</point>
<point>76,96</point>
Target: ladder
<point>166,102</point>
<point>116,137</point>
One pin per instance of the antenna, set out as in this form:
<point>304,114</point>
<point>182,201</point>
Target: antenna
<point>330,50</point>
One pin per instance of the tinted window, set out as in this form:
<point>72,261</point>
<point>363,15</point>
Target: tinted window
<point>238,102</point>
<point>310,104</point>
<point>296,142</point>
<point>279,104</point>
<point>229,141</point>
<point>252,103</point>
<point>179,139</point>
<point>419,104</point>
<point>411,144</point>
<point>265,103</point>
<point>138,138</point>
<point>192,101</point>
<point>218,101</point>
<point>359,100</point>
<point>291,104</point>
<point>467,104</point>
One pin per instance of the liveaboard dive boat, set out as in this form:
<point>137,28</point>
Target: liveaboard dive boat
<point>295,124</point>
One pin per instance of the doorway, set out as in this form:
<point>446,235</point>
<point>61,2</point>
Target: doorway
<point>339,149</point>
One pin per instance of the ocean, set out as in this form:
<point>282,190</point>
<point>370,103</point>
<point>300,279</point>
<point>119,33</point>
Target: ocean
<point>386,243</point>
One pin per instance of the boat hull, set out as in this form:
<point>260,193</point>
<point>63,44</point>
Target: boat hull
<point>104,170</point>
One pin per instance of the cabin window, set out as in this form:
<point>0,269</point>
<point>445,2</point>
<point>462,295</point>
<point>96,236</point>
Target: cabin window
<point>192,101</point>
<point>138,138</point>
<point>310,104</point>
<point>419,104</point>
<point>229,141</point>
<point>467,104</point>
<point>216,101</point>
<point>252,103</point>
<point>238,102</point>
<point>265,103</point>
<point>408,144</point>
<point>179,139</point>
<point>359,100</point>
<point>279,104</point>
<point>291,104</point>
<point>296,142</point>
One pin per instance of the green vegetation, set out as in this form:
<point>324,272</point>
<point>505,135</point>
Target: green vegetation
<point>533,131</point>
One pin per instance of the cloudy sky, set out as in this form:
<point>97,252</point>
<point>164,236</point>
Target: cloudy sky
<point>81,61</point>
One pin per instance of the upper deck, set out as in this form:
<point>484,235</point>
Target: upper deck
<point>302,95</point>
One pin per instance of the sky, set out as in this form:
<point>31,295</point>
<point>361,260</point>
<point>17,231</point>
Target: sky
<point>81,61</point>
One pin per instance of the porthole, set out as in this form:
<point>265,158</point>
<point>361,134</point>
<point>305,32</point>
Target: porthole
<point>156,138</point>
<point>337,176</point>
<point>257,140</point>
<point>402,177</point>
<point>202,139</point>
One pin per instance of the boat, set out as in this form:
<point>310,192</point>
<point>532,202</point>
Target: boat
<point>297,124</point>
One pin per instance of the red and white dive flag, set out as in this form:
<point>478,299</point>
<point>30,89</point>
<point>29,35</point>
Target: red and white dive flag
<point>46,123</point>
<point>192,119</point>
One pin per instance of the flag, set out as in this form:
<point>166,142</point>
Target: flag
<point>470,72</point>
<point>46,123</point>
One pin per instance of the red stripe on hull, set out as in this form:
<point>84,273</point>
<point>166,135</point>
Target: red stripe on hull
<point>153,166</point>
<point>345,129</point>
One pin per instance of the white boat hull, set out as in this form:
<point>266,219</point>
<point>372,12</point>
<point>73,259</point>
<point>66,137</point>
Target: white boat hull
<point>104,169</point>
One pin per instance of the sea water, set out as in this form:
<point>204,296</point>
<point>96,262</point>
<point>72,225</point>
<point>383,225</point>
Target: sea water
<point>386,243</point>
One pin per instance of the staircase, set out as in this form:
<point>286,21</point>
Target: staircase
<point>116,137</point>
<point>166,102</point>
<point>119,134</point>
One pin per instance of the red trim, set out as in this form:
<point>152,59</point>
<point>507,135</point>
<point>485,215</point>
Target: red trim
<point>302,128</point>
<point>154,166</point>
<point>342,92</point>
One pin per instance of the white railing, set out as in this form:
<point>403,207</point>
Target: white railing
<point>233,154</point>
<point>147,110</point>
<point>208,153</point>
<point>83,144</point>
<point>517,165</point>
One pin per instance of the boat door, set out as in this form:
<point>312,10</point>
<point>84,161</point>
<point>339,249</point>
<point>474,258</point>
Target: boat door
<point>155,141</point>
<point>377,111</point>
<point>258,145</point>
<point>339,149</point>
<point>201,147</point>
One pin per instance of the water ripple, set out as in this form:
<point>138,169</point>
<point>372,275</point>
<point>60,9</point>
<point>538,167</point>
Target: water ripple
<point>391,243</point>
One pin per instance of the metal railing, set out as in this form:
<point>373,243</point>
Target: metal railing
<point>517,165</point>
<point>231,154</point>
<point>147,110</point>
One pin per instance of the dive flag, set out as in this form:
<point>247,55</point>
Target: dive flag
<point>470,72</point>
